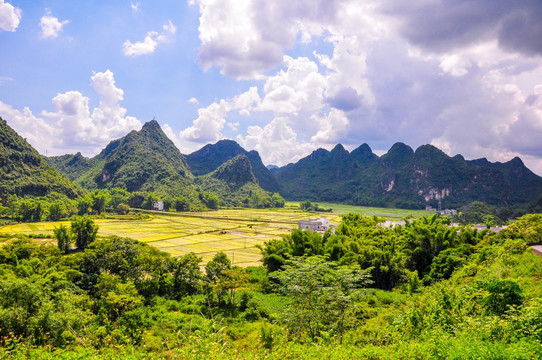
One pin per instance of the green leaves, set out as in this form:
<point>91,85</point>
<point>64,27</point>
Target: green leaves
<point>324,296</point>
<point>84,231</point>
<point>63,238</point>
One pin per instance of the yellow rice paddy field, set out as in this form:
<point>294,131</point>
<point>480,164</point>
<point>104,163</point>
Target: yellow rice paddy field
<point>236,232</point>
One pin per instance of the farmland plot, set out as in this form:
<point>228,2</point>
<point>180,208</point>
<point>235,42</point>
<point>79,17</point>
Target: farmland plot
<point>236,232</point>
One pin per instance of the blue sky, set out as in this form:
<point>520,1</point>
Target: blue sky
<point>280,77</point>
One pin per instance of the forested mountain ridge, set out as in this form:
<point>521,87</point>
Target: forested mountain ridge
<point>23,171</point>
<point>235,181</point>
<point>144,160</point>
<point>71,166</point>
<point>406,178</point>
<point>211,156</point>
<point>147,160</point>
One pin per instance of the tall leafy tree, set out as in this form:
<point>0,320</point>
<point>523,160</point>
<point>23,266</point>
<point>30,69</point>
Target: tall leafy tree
<point>323,296</point>
<point>84,230</point>
<point>63,238</point>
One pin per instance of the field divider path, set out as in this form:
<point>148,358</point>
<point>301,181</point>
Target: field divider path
<point>192,215</point>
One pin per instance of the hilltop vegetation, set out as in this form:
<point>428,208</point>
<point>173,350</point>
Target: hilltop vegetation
<point>238,186</point>
<point>454,295</point>
<point>405,178</point>
<point>147,164</point>
<point>210,157</point>
<point>24,172</point>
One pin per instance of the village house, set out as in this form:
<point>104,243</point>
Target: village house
<point>319,225</point>
<point>158,206</point>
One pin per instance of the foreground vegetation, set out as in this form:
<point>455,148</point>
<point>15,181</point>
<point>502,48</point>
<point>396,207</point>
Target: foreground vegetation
<point>421,290</point>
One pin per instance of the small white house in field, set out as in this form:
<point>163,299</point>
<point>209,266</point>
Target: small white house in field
<point>158,206</point>
<point>319,225</point>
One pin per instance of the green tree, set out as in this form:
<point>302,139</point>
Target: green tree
<point>63,238</point>
<point>84,230</point>
<point>55,212</point>
<point>118,196</point>
<point>211,200</point>
<point>323,296</point>
<point>188,276</point>
<point>216,266</point>
<point>123,209</point>
<point>181,204</point>
<point>99,200</point>
<point>277,201</point>
<point>84,205</point>
<point>305,205</point>
<point>231,280</point>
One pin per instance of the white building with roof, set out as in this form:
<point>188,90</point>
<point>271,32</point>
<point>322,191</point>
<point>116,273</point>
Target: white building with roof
<point>158,206</point>
<point>319,225</point>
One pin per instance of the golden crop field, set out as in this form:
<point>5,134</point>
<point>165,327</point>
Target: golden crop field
<point>236,232</point>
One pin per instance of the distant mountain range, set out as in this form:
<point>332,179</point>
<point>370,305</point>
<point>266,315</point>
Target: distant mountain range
<point>406,178</point>
<point>147,160</point>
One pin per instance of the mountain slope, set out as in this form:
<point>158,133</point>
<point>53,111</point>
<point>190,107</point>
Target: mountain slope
<point>211,156</point>
<point>232,181</point>
<point>406,178</point>
<point>23,171</point>
<point>71,166</point>
<point>143,160</point>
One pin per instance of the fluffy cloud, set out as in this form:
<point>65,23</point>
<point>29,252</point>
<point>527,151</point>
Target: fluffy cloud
<point>50,26</point>
<point>73,126</point>
<point>299,88</point>
<point>245,38</point>
<point>345,99</point>
<point>331,127</point>
<point>209,124</point>
<point>10,16</point>
<point>151,41</point>
<point>35,130</point>
<point>276,142</point>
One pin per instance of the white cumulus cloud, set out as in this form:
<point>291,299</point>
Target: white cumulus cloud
<point>150,42</point>
<point>276,142</point>
<point>73,126</point>
<point>246,38</point>
<point>10,16</point>
<point>50,25</point>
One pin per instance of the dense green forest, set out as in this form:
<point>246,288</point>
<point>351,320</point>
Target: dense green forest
<point>424,290</point>
<point>404,178</point>
<point>23,171</point>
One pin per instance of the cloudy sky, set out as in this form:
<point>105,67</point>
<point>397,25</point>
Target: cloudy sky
<point>282,77</point>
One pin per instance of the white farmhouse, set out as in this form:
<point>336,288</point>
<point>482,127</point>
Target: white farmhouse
<point>158,206</point>
<point>319,225</point>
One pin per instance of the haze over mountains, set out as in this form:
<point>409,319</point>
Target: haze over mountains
<point>147,160</point>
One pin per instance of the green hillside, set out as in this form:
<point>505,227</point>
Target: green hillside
<point>145,160</point>
<point>233,181</point>
<point>211,156</point>
<point>407,179</point>
<point>422,290</point>
<point>72,166</point>
<point>23,171</point>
